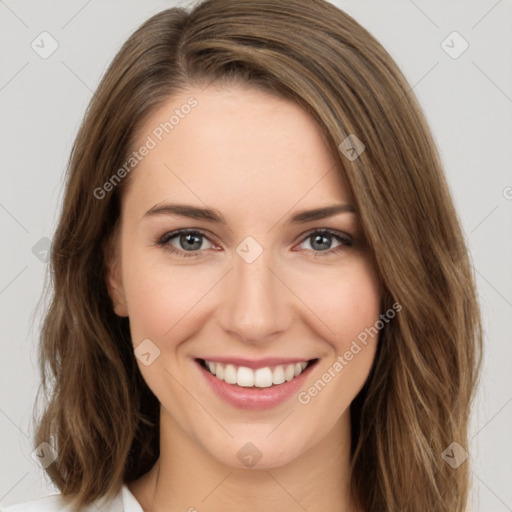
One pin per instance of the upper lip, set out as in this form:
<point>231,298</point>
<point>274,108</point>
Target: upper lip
<point>257,363</point>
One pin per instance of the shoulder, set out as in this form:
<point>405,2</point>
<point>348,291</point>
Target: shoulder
<point>53,503</point>
<point>122,502</point>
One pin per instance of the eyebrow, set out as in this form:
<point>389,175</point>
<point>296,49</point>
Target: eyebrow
<point>212,215</point>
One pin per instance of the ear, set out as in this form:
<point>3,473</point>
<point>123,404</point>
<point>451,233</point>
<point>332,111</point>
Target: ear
<point>113,277</point>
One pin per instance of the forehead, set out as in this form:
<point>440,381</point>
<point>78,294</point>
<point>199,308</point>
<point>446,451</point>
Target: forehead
<point>224,144</point>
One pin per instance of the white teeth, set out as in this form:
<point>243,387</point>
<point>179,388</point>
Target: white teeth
<point>263,377</point>
<point>278,375</point>
<point>289,372</point>
<point>230,374</point>
<point>260,378</point>
<point>244,377</point>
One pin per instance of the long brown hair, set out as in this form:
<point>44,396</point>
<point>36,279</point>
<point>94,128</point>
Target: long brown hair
<point>100,416</point>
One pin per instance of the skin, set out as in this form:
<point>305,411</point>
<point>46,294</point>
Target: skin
<point>257,159</point>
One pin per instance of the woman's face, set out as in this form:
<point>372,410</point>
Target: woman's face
<point>256,286</point>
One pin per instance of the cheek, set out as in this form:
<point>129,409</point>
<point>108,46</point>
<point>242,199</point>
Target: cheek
<point>160,297</point>
<point>351,309</point>
<point>357,308</point>
<point>346,301</point>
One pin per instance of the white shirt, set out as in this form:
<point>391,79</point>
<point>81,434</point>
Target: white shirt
<point>124,501</point>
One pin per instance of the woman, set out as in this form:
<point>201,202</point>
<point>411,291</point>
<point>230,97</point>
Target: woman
<point>262,296</point>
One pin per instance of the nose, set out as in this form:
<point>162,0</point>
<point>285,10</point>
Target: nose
<point>255,305</point>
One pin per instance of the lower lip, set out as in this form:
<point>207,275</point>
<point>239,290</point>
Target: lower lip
<point>255,398</point>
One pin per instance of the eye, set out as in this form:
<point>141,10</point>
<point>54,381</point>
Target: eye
<point>191,243</point>
<point>185,241</point>
<point>321,241</point>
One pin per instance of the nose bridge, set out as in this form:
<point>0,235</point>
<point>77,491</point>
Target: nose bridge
<point>254,306</point>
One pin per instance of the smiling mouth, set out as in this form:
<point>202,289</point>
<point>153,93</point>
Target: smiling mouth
<point>264,377</point>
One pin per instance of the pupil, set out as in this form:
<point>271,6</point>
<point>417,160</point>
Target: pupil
<point>187,241</point>
<point>319,239</point>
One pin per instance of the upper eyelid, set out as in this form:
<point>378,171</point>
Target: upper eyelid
<point>334,232</point>
<point>173,234</point>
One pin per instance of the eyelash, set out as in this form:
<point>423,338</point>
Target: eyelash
<point>163,242</point>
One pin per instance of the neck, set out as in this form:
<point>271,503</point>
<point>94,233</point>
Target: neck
<point>187,478</point>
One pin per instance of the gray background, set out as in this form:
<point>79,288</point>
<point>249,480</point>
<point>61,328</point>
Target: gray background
<point>468,102</point>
